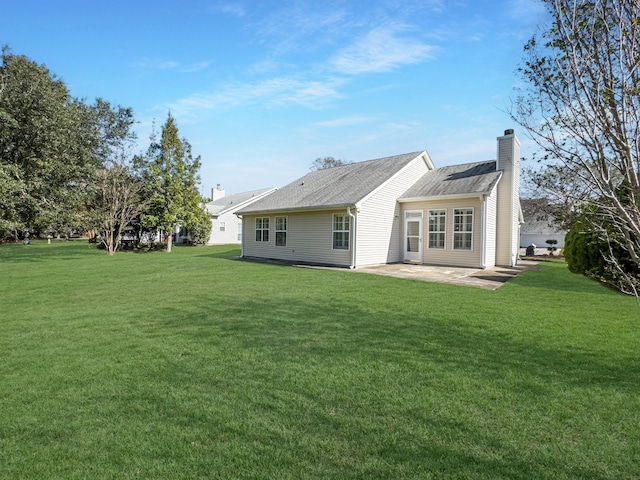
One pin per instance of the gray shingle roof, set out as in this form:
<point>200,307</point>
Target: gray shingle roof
<point>221,205</point>
<point>332,187</point>
<point>469,178</point>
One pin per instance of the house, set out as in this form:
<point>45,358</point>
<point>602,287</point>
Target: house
<point>226,227</point>
<point>393,209</point>
<point>539,226</point>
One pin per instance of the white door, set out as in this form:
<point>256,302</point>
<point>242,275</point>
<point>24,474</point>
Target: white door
<point>413,237</point>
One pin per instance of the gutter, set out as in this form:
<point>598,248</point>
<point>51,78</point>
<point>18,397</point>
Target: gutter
<point>353,243</point>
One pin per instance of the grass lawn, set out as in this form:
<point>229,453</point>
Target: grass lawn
<point>195,365</point>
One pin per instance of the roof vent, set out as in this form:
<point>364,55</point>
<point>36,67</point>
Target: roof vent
<point>509,131</point>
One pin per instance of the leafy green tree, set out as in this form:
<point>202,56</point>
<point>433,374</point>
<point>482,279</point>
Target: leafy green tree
<point>172,177</point>
<point>588,252</point>
<point>201,229</point>
<point>43,144</point>
<point>580,105</point>
<point>12,194</point>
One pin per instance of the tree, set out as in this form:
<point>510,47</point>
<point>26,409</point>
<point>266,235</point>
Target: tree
<point>12,194</point>
<point>582,107</point>
<point>44,145</point>
<point>117,201</point>
<point>588,253</point>
<point>172,177</point>
<point>327,162</point>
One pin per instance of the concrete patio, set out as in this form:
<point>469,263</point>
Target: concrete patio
<point>489,279</point>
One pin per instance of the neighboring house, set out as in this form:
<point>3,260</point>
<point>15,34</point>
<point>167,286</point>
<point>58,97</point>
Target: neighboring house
<point>391,210</point>
<point>539,226</point>
<point>226,227</point>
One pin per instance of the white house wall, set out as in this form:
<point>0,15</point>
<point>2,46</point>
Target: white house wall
<point>379,223</point>
<point>507,238</point>
<point>309,239</point>
<point>230,232</point>
<point>448,256</point>
<point>490,226</point>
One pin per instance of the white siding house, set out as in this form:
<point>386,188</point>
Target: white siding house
<point>393,209</point>
<point>226,227</point>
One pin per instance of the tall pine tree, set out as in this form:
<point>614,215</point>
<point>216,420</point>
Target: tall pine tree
<point>172,178</point>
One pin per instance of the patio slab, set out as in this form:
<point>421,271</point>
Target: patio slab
<point>489,278</point>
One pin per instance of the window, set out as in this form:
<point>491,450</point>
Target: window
<point>462,228</point>
<point>341,232</point>
<point>262,229</point>
<point>437,222</point>
<point>222,226</point>
<point>281,231</point>
<point>240,231</point>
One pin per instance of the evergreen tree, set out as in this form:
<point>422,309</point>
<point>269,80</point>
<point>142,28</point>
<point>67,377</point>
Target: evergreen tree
<point>172,178</point>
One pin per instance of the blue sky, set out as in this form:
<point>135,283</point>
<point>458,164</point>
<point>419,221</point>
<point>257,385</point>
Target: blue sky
<point>262,88</point>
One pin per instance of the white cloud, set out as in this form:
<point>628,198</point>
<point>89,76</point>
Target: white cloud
<point>276,91</point>
<point>159,64</point>
<point>381,50</point>
<point>346,121</point>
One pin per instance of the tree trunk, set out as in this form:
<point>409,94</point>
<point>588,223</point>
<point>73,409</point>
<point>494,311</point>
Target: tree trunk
<point>169,241</point>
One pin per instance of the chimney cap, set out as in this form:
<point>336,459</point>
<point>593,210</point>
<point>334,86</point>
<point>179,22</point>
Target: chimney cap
<point>509,131</point>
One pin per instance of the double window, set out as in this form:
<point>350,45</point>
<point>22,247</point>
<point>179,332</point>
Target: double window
<point>281,231</point>
<point>462,228</point>
<point>341,231</point>
<point>262,229</point>
<point>437,225</point>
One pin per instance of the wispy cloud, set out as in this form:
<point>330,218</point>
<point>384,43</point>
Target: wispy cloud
<point>381,50</point>
<point>235,9</point>
<point>158,64</point>
<point>276,91</point>
<point>346,121</point>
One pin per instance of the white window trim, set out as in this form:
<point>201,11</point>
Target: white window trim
<point>222,226</point>
<point>262,229</point>
<point>286,225</point>
<point>347,218</point>
<point>443,232</point>
<point>453,225</point>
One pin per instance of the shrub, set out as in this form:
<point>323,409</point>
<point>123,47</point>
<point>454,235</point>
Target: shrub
<point>587,253</point>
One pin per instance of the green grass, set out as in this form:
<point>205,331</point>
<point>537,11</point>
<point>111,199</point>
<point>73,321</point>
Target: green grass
<point>196,365</point>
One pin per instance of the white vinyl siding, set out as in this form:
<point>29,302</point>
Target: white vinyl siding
<point>448,256</point>
<point>309,239</point>
<point>379,223</point>
<point>508,202</point>
<point>218,236</point>
<point>490,230</point>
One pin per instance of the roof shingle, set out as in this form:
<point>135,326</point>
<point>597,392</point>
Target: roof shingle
<point>332,187</point>
<point>469,178</point>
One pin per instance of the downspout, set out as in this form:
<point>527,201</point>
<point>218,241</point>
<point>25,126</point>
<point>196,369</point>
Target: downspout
<point>353,243</point>
<point>242,236</point>
<point>483,240</point>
